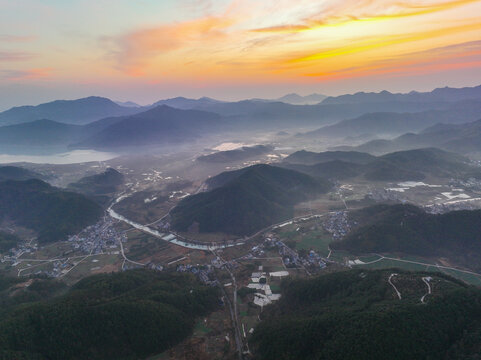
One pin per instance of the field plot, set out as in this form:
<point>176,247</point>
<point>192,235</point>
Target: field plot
<point>141,245</point>
<point>307,236</point>
<point>94,264</point>
<point>317,240</point>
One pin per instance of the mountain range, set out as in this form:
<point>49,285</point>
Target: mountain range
<point>379,124</point>
<point>445,94</point>
<point>410,165</point>
<point>311,158</point>
<point>296,99</point>
<point>100,123</point>
<point>186,103</point>
<point>81,111</point>
<point>461,138</point>
<point>159,125</point>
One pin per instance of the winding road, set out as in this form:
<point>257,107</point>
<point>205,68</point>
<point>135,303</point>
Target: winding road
<point>426,280</point>
<point>394,287</point>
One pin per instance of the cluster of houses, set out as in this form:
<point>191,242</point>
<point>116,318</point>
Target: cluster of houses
<point>201,271</point>
<point>98,238</point>
<point>15,253</point>
<point>471,183</point>
<point>260,282</point>
<point>337,224</point>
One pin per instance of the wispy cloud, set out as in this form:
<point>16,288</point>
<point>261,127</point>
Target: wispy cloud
<point>211,42</point>
<point>332,13</point>
<point>384,41</point>
<point>135,48</point>
<point>452,57</point>
<point>7,56</point>
<point>30,74</point>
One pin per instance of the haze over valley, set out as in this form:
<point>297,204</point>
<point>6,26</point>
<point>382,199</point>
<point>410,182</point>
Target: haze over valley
<point>218,189</point>
<point>240,180</point>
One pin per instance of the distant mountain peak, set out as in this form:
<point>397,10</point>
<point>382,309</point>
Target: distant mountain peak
<point>78,111</point>
<point>296,99</point>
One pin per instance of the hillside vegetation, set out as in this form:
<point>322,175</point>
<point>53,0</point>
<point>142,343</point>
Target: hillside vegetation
<point>106,182</point>
<point>17,173</point>
<point>128,315</point>
<point>51,212</point>
<point>311,158</point>
<point>357,315</point>
<point>159,125</point>
<point>8,241</point>
<point>408,229</point>
<point>413,165</point>
<point>247,200</point>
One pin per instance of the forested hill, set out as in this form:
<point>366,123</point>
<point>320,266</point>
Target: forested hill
<point>242,153</point>
<point>8,241</point>
<point>128,315</point>
<point>408,229</point>
<point>311,158</point>
<point>410,165</point>
<point>51,212</point>
<point>247,200</point>
<point>106,182</point>
<point>356,315</point>
<point>17,173</point>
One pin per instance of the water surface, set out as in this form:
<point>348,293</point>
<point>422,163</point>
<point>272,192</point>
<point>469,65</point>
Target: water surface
<point>71,157</point>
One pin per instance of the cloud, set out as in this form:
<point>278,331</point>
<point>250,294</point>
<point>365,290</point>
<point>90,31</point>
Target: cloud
<point>136,48</point>
<point>385,41</point>
<point>6,56</point>
<point>272,39</point>
<point>335,12</point>
<point>30,74</point>
<point>452,57</point>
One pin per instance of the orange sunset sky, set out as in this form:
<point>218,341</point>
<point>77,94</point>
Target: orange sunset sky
<point>230,49</point>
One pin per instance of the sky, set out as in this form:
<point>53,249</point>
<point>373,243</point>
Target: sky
<point>146,50</point>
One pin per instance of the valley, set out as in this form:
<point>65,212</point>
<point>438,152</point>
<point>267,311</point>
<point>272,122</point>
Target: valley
<point>246,214</point>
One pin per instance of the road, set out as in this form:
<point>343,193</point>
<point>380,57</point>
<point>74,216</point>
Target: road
<point>233,310</point>
<point>125,257</point>
<point>73,267</point>
<point>426,281</point>
<point>45,261</point>
<point>394,287</point>
<point>381,257</point>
